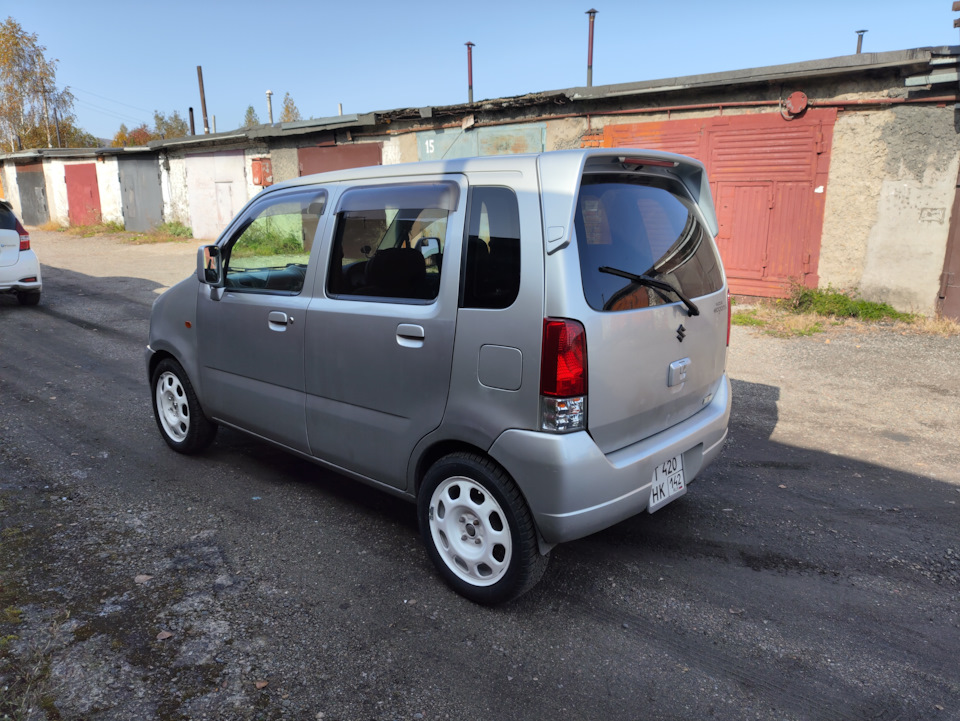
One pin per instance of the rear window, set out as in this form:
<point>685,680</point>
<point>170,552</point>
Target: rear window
<point>644,226</point>
<point>8,221</point>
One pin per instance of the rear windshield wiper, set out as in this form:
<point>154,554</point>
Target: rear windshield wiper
<point>652,283</point>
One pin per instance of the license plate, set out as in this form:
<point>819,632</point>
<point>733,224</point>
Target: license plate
<point>668,483</point>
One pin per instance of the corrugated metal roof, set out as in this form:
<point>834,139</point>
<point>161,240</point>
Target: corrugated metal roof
<point>922,66</point>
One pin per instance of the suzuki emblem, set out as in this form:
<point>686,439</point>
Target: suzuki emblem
<point>681,333</point>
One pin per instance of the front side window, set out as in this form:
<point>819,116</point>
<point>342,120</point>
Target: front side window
<point>389,241</point>
<point>642,226</point>
<point>271,250</point>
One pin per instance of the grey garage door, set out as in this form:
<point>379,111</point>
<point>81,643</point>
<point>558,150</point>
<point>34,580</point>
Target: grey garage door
<point>140,194</point>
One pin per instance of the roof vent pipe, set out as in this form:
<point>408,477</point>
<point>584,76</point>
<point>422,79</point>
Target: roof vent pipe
<point>593,14</point>
<point>860,40</point>
<point>470,47</point>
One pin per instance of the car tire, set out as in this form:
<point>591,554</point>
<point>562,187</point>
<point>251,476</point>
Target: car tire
<point>28,297</point>
<point>478,529</point>
<point>177,410</point>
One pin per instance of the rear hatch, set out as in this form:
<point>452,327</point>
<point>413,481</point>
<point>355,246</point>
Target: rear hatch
<point>9,236</point>
<point>643,241</point>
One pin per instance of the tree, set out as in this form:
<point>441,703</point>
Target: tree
<point>30,102</point>
<point>250,118</point>
<point>122,137</point>
<point>165,128</point>
<point>290,113</point>
<point>140,135</point>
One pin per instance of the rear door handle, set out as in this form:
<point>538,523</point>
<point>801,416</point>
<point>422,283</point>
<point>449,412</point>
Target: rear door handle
<point>410,335</point>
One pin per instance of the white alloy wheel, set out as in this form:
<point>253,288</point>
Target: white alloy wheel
<point>470,531</point>
<point>173,408</point>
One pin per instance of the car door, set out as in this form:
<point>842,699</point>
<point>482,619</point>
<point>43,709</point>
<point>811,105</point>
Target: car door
<point>380,331</point>
<point>251,330</point>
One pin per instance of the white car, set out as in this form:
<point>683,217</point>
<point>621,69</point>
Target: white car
<point>19,267</point>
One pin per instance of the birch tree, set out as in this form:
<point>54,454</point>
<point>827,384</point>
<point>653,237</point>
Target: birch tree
<point>29,98</point>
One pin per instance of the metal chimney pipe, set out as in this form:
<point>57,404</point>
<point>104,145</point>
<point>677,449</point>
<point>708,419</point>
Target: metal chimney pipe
<point>270,106</point>
<point>339,108</point>
<point>593,14</point>
<point>860,40</point>
<point>193,130</point>
<point>469,71</point>
<point>203,101</point>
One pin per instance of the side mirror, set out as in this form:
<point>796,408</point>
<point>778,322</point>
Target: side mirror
<point>428,247</point>
<point>210,266</point>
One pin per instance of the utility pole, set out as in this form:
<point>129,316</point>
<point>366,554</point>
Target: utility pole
<point>593,14</point>
<point>203,102</point>
<point>860,40</point>
<point>470,47</point>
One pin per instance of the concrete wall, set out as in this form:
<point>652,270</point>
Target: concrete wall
<point>173,188</point>
<point>399,149</point>
<point>108,180</point>
<point>892,181</point>
<point>55,179</point>
<point>10,188</point>
<point>286,164</point>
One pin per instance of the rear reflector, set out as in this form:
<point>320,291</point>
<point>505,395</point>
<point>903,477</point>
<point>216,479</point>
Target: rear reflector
<point>24,237</point>
<point>563,376</point>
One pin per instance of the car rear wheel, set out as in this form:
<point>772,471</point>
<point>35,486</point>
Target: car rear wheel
<point>177,410</point>
<point>478,530</point>
<point>28,297</point>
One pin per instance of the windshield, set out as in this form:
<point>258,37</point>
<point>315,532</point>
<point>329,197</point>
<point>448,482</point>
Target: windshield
<point>643,226</point>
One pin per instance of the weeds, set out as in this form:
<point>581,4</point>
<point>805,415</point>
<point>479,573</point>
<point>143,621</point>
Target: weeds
<point>808,311</point>
<point>830,302</point>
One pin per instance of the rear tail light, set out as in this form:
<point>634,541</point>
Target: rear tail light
<point>729,317</point>
<point>24,237</point>
<point>563,376</point>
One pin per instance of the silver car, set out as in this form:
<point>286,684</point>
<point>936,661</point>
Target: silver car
<point>532,348</point>
<point>19,267</point>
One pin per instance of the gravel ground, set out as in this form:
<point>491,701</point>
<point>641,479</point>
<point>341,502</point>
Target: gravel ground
<point>811,573</point>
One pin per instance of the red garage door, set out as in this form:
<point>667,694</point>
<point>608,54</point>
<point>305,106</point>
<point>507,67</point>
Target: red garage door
<point>83,194</point>
<point>338,157</point>
<point>768,177</point>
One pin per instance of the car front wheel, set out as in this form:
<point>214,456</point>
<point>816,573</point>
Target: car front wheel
<point>478,530</point>
<point>177,409</point>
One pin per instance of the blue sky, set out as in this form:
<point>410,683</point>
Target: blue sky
<point>125,59</point>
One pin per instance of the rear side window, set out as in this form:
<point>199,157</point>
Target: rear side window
<point>642,226</point>
<point>389,241</point>
<point>491,277</point>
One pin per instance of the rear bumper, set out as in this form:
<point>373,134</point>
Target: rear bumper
<point>574,489</point>
<point>12,276</point>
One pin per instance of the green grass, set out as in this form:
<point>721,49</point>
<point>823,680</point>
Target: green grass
<point>832,303</point>
<point>175,229</point>
<point>747,317</point>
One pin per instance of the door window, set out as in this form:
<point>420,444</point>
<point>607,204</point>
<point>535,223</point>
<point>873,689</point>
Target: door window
<point>389,241</point>
<point>271,250</point>
<point>491,277</point>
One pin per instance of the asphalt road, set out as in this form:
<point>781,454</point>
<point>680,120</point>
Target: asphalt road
<point>812,573</point>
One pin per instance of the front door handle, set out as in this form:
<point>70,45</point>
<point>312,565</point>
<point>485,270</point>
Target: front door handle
<point>410,335</point>
<point>278,320</point>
